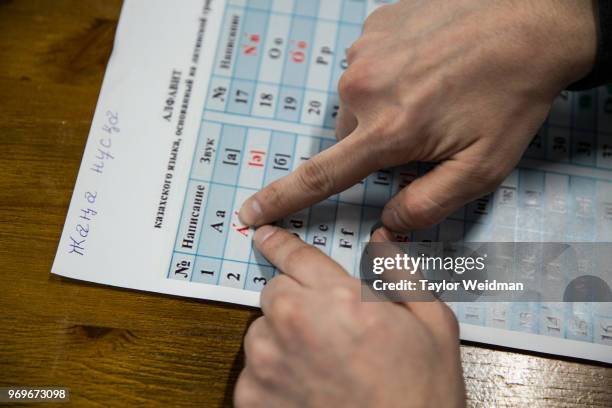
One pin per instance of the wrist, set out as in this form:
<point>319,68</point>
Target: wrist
<point>568,31</point>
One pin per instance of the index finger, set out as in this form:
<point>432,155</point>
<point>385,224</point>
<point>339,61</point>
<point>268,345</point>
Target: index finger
<point>329,172</point>
<point>302,262</point>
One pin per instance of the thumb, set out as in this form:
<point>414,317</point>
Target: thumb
<point>329,172</point>
<point>433,313</point>
<point>432,197</point>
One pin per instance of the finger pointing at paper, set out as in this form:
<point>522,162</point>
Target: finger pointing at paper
<point>317,344</point>
<point>437,81</point>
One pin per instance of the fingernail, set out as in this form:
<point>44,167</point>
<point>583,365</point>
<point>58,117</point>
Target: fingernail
<point>250,213</point>
<point>263,233</point>
<point>381,235</point>
<point>390,218</point>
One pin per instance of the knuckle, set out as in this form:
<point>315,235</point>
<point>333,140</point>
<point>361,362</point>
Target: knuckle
<point>358,81</point>
<point>273,244</point>
<point>420,214</point>
<point>374,321</point>
<point>301,252</point>
<point>264,359</point>
<point>375,318</point>
<point>447,320</point>
<point>245,394</point>
<point>250,338</point>
<point>345,294</point>
<point>314,177</point>
<point>274,195</point>
<point>453,324</point>
<point>276,284</point>
<point>284,310</point>
<point>353,51</point>
<point>356,48</point>
<point>253,331</point>
<point>345,86</point>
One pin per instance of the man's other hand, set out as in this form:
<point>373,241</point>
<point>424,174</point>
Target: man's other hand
<point>465,83</point>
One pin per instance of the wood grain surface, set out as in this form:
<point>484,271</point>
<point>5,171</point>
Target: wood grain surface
<point>119,347</point>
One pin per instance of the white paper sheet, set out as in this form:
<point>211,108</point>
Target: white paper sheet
<point>205,102</point>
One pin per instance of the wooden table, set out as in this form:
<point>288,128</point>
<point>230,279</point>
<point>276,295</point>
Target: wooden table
<point>120,347</point>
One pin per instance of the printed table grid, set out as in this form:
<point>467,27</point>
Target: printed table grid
<point>288,99</point>
<point>231,162</point>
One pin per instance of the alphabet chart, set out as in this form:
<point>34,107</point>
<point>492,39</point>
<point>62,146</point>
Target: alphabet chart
<point>271,104</point>
<point>232,95</point>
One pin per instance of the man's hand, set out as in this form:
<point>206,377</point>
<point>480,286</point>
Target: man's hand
<point>466,83</point>
<point>319,345</point>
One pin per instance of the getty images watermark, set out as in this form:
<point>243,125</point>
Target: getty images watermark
<point>493,271</point>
